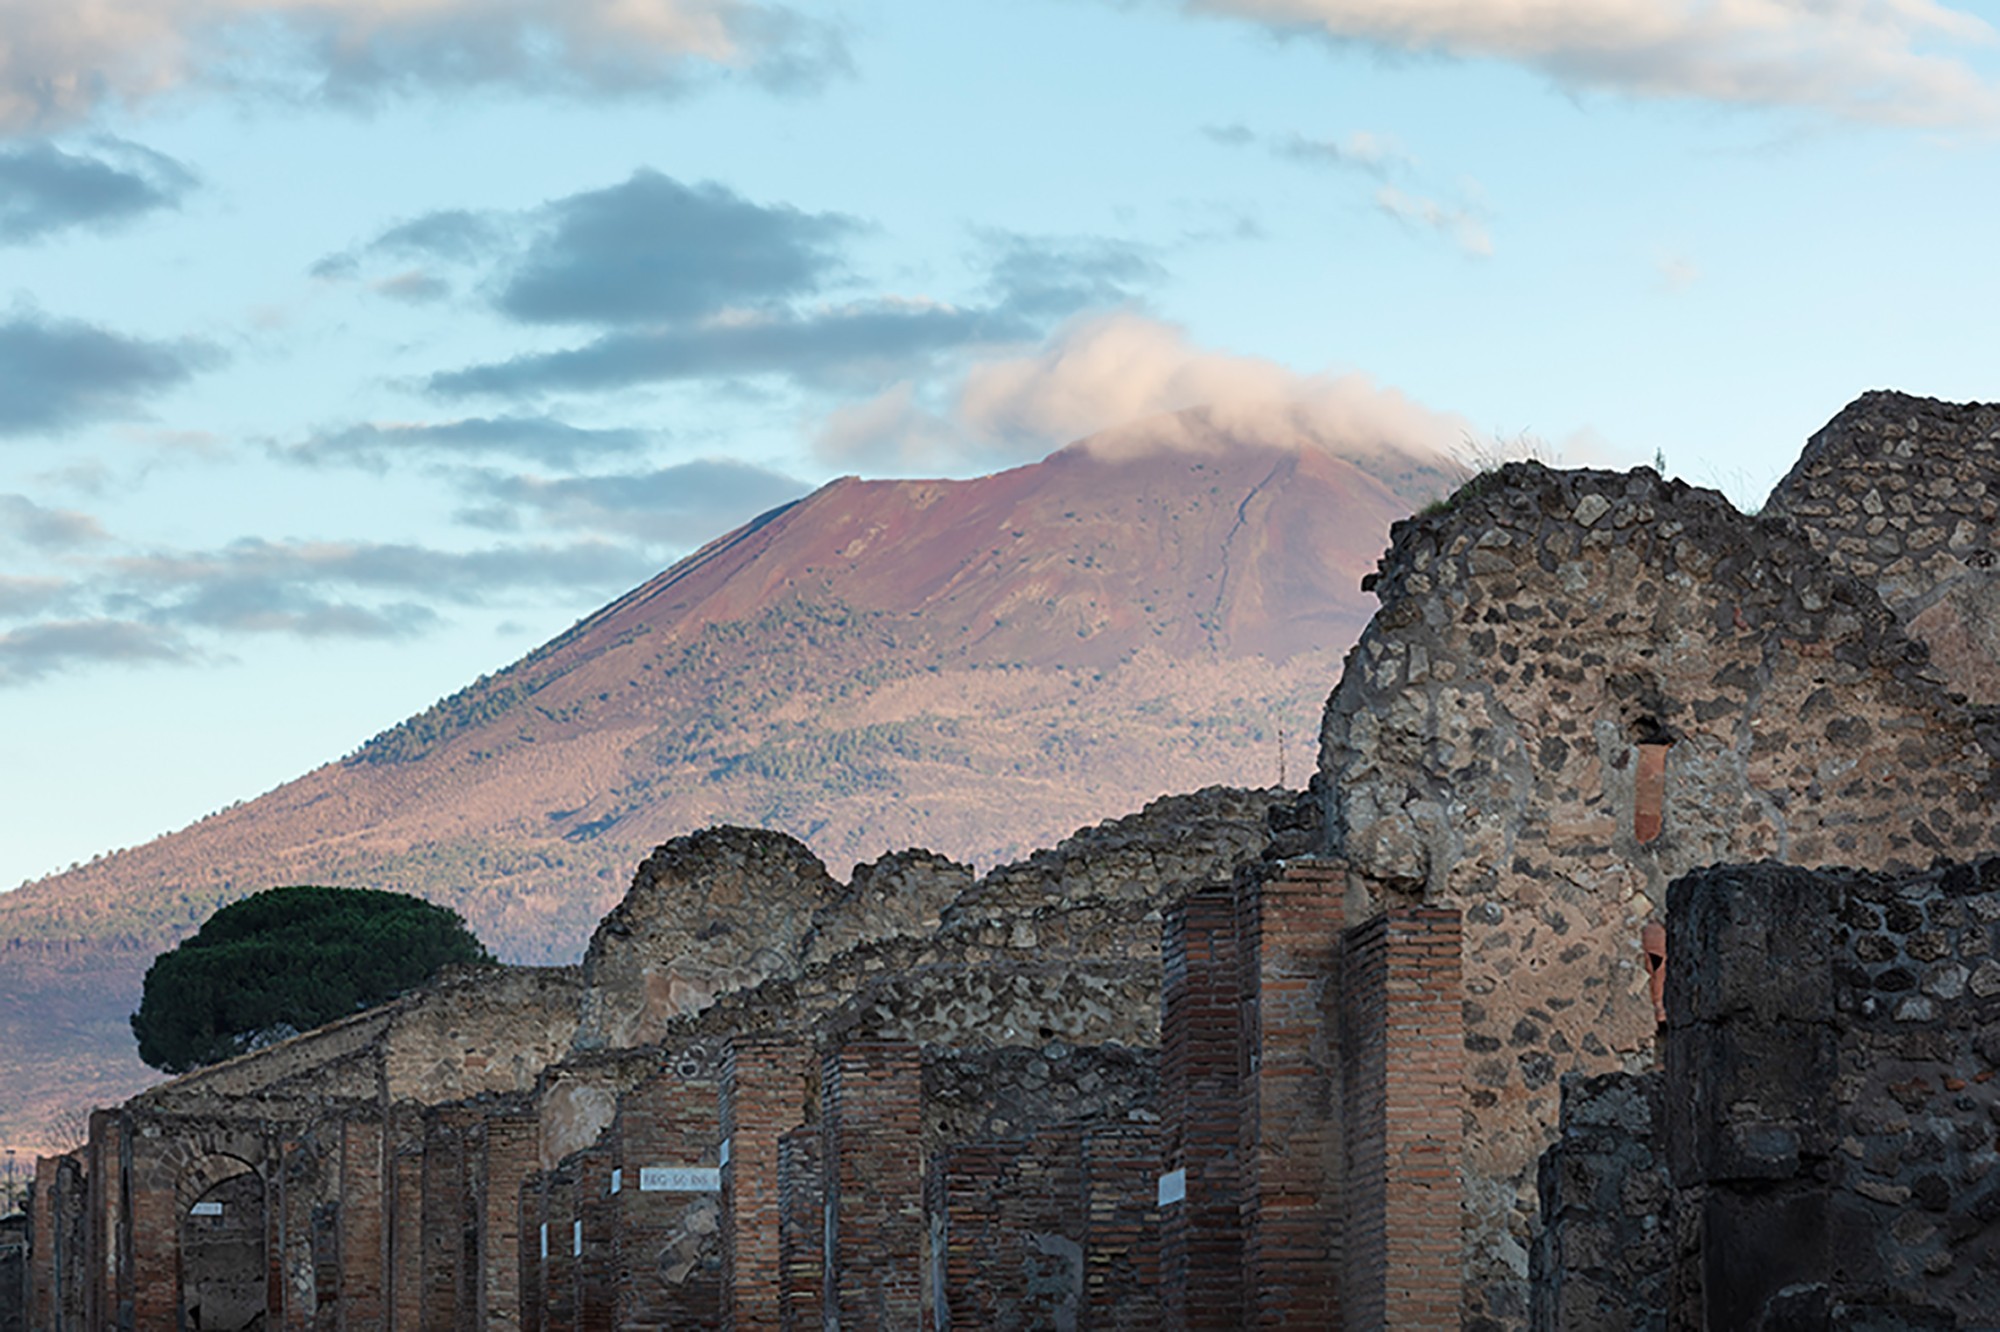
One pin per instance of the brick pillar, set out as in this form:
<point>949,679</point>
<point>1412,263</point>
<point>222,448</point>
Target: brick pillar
<point>40,1303</point>
<point>872,1115</point>
<point>107,1287</point>
<point>1121,1279</point>
<point>154,1218</point>
<point>801,1229</point>
<point>509,1147</point>
<point>443,1223</point>
<point>597,1267</point>
<point>406,1241</point>
<point>559,1268</point>
<point>1202,1073</point>
<point>1291,927</point>
<point>669,1248</point>
<point>364,1236</point>
<point>765,1083</point>
<point>962,1197</point>
<point>1403,1030</point>
<point>534,1289</point>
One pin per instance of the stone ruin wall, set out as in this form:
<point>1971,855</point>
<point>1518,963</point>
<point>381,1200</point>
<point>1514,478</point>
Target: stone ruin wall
<point>1904,493</point>
<point>1822,1147</point>
<point>1549,646</point>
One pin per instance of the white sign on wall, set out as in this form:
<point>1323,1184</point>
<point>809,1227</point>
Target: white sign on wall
<point>545,1241</point>
<point>576,1240</point>
<point>723,1159</point>
<point>680,1179</point>
<point>617,1180</point>
<point>1173,1187</point>
<point>205,1209</point>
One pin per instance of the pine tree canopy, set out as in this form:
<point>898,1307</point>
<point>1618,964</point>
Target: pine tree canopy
<point>287,960</point>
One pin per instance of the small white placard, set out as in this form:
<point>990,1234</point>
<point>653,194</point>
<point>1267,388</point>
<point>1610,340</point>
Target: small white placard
<point>1173,1187</point>
<point>617,1180</point>
<point>680,1179</point>
<point>545,1241</point>
<point>206,1209</point>
<point>725,1153</point>
<point>576,1240</point>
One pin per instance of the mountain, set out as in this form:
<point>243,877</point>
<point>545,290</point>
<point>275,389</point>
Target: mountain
<point>977,667</point>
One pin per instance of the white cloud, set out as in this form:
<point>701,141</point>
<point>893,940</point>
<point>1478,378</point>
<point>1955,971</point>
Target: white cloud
<point>62,58</point>
<point>1884,61</point>
<point>1462,222</point>
<point>1108,370</point>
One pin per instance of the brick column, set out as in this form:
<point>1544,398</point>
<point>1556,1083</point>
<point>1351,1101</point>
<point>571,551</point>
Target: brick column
<point>801,1230</point>
<point>669,1248</point>
<point>107,1287</point>
<point>1403,1029</point>
<point>559,1269</point>
<point>1291,928</point>
<point>1202,1070</point>
<point>597,1267</point>
<point>364,1238</point>
<point>1121,1278</point>
<point>509,1147</point>
<point>41,1278</point>
<point>962,1198</point>
<point>154,1218</point>
<point>765,1082</point>
<point>444,1216</point>
<point>534,1287</point>
<point>872,1115</point>
<point>406,1241</point>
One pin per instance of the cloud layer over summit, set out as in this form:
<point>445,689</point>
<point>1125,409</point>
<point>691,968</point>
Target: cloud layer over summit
<point>350,348</point>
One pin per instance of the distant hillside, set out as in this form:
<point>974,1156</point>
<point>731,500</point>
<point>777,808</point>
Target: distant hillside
<point>978,667</point>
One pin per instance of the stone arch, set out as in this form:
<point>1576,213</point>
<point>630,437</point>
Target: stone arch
<point>221,1234</point>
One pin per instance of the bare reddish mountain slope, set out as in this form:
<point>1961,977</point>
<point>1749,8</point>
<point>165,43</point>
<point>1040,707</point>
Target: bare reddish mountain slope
<point>978,667</point>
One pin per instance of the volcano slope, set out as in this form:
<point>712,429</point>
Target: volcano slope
<point>977,667</point>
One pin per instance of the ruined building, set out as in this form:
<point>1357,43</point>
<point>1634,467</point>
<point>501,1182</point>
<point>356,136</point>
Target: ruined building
<point>1385,1054</point>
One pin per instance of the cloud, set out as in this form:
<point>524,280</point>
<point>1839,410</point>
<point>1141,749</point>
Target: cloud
<point>538,439</point>
<point>1860,60</point>
<point>1375,155</point>
<point>44,190</point>
<point>1676,272</point>
<point>255,572</point>
<point>57,373</point>
<point>62,62</point>
<point>1102,371</point>
<point>826,347</point>
<point>699,284</point>
<point>30,524</point>
<point>1463,223</point>
<point>24,597</point>
<point>655,506</point>
<point>653,249</point>
<point>1039,276</point>
<point>37,650</point>
<point>413,287</point>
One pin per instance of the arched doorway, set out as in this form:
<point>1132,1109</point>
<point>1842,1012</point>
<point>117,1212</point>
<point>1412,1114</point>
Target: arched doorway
<point>223,1276</point>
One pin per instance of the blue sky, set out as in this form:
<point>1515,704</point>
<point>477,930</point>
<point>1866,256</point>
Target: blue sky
<point>350,348</point>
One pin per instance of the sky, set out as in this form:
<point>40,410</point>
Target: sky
<point>351,348</point>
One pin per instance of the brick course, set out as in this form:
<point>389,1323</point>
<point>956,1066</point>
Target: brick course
<point>1203,1064</point>
<point>1404,1035</point>
<point>765,1085</point>
<point>872,1115</point>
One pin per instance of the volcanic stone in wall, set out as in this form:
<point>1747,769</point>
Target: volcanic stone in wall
<point>1904,493</point>
<point>1602,1260</point>
<point>1833,1064</point>
<point>1580,685</point>
<point>718,910</point>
